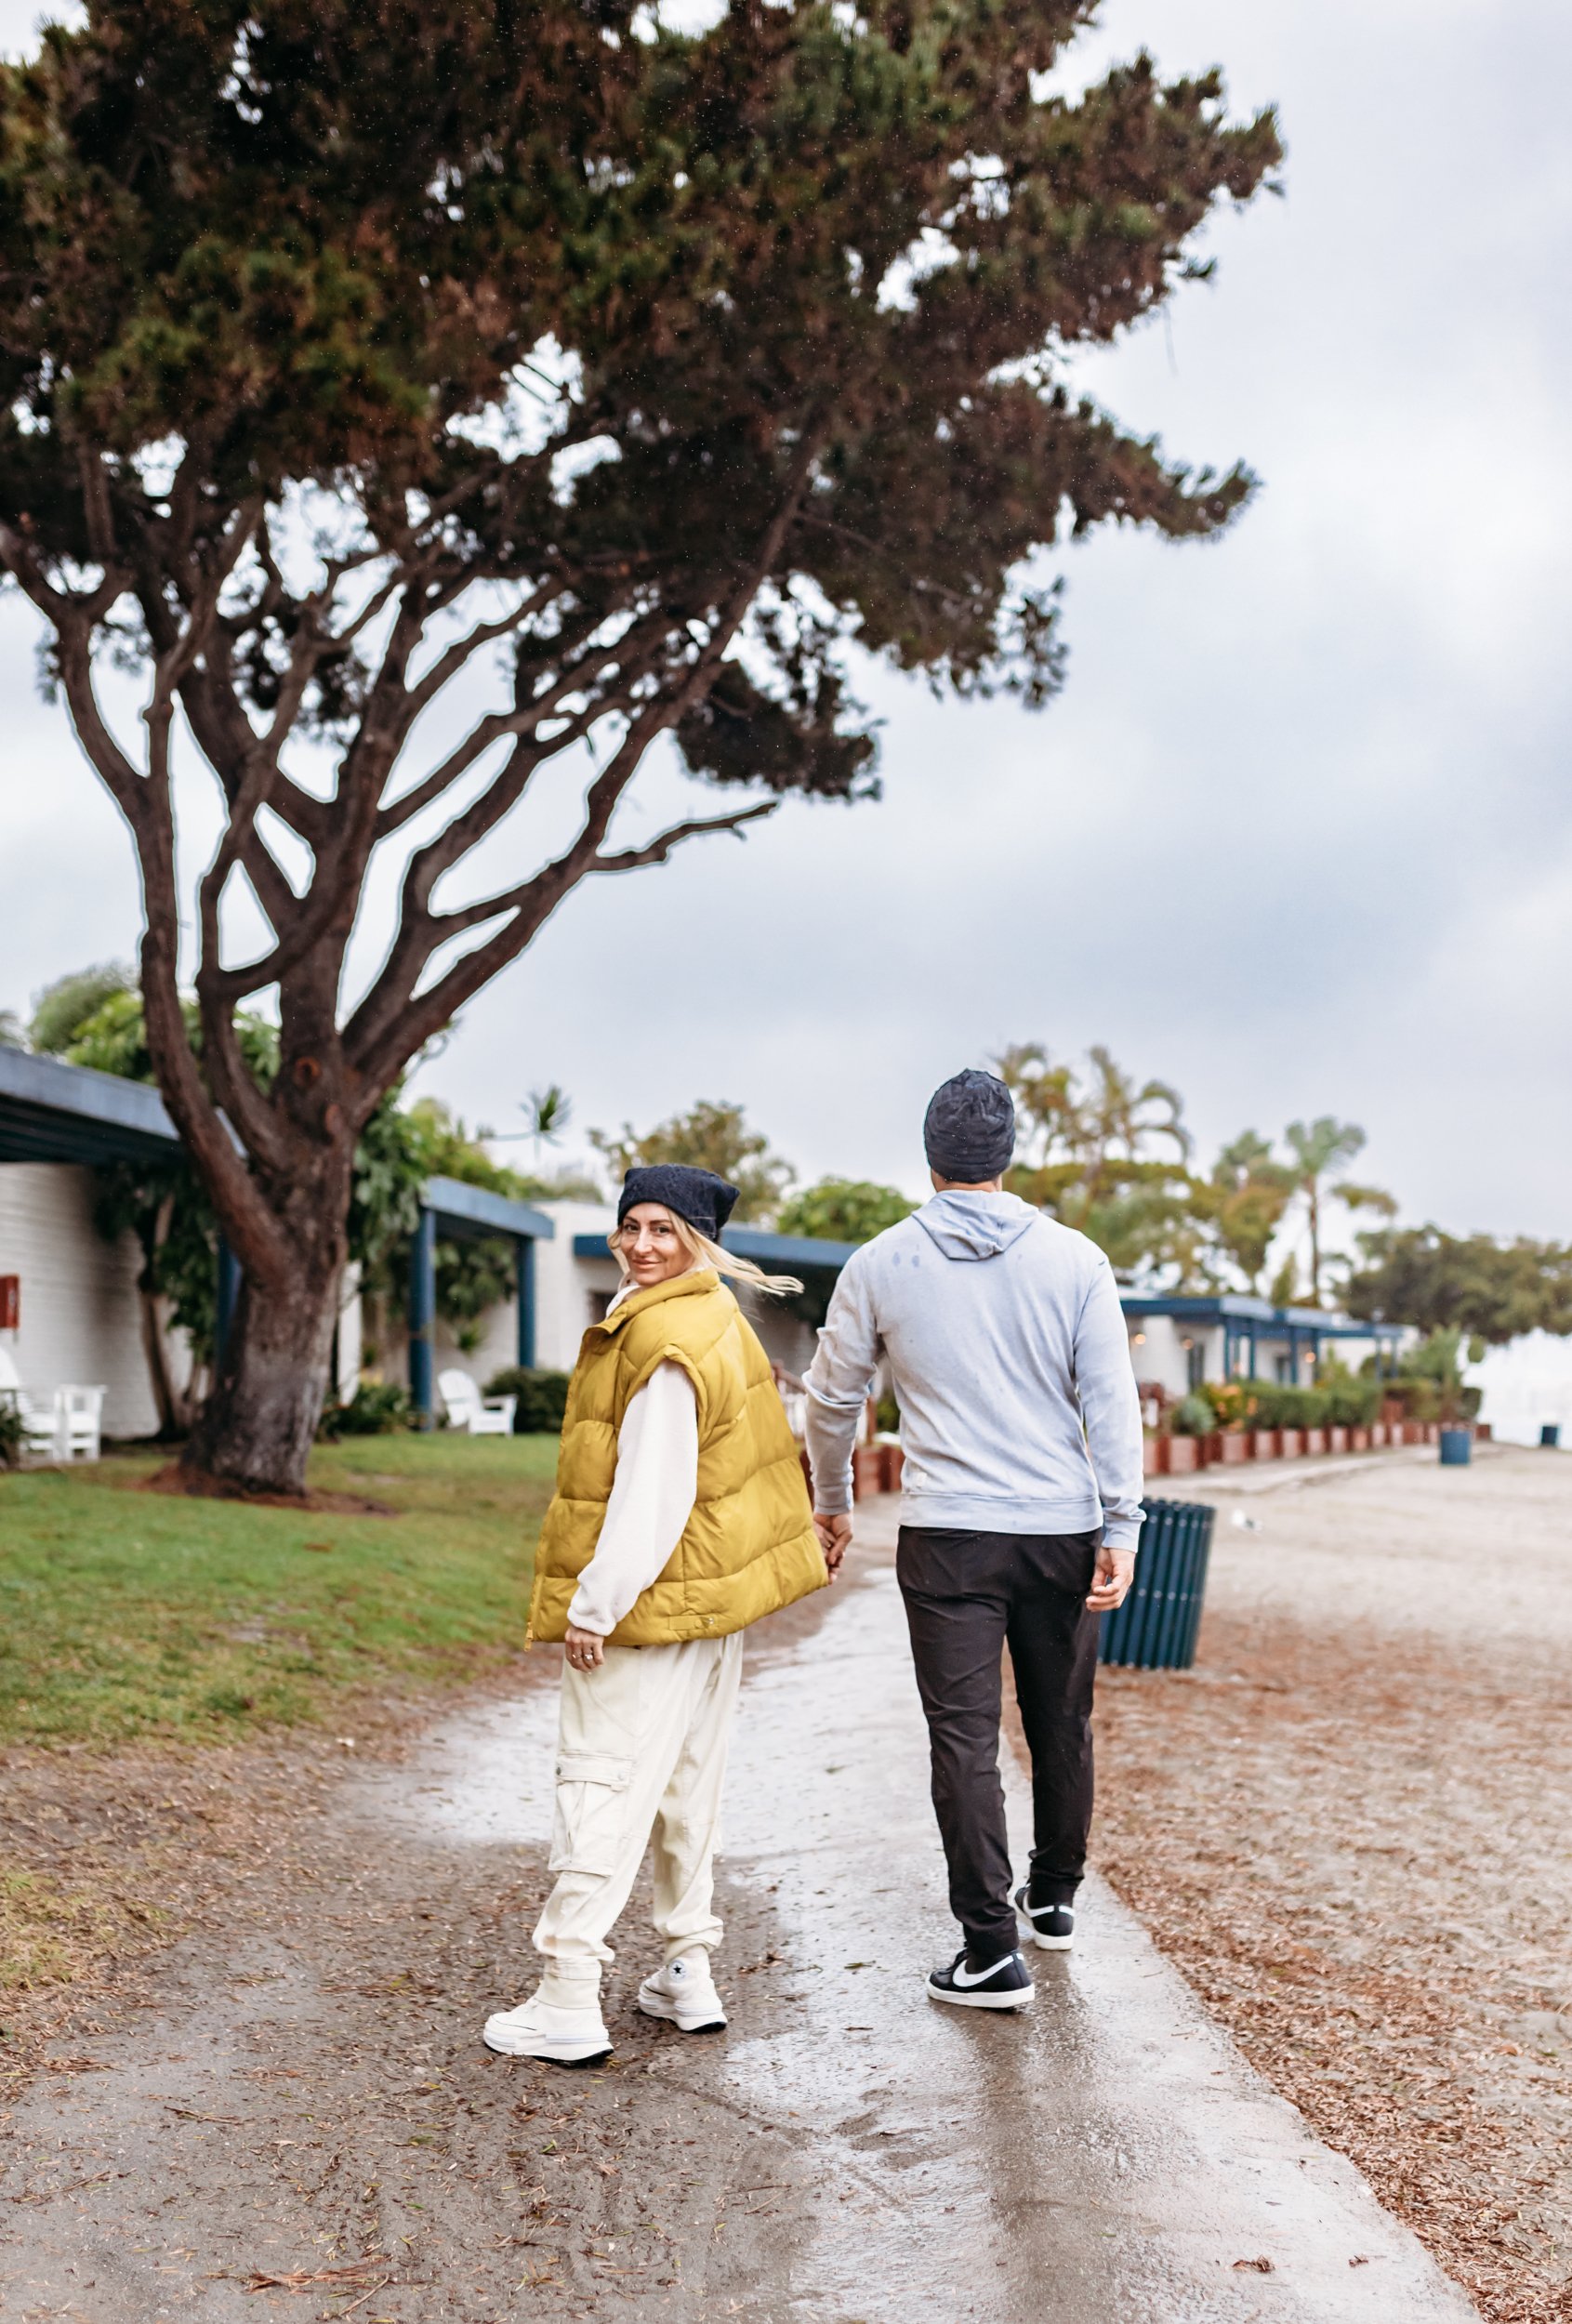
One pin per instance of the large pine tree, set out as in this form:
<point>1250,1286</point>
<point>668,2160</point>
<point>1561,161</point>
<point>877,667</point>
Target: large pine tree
<point>355,350</point>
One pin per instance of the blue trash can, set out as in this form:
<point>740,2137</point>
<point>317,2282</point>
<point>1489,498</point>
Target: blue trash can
<point>1157,1627</point>
<point>1549,1436</point>
<point>1456,1448</point>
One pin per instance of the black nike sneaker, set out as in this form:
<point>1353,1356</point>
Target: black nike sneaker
<point>1005,1984</point>
<point>1052,1926</point>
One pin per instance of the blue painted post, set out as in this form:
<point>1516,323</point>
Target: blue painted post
<point>422,1319</point>
<point>523,1263</point>
<point>229,1299</point>
<point>1252,1348</point>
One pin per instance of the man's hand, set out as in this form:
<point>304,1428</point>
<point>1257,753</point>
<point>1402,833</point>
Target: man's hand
<point>834,1537</point>
<point>586,1649</point>
<point>1110,1585</point>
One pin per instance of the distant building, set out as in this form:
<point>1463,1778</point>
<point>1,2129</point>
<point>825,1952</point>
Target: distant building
<point>78,1318</point>
<point>1178,1342</point>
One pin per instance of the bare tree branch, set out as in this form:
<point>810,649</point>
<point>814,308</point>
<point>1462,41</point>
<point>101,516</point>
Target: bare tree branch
<point>657,850</point>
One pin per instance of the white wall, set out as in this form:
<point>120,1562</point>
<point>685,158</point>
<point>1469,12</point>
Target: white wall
<point>498,1347</point>
<point>565,1288</point>
<point>1526,1383</point>
<point>81,1317</point>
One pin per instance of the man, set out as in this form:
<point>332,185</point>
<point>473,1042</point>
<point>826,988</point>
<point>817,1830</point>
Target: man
<point>1019,1512</point>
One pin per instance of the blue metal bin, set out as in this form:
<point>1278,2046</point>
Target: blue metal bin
<point>1157,1627</point>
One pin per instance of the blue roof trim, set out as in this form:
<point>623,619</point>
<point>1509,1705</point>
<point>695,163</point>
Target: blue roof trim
<point>1239,1308</point>
<point>50,1112</point>
<point>464,1209</point>
<point>785,1251</point>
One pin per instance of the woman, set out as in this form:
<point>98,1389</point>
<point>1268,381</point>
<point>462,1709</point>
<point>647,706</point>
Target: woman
<point>680,1515</point>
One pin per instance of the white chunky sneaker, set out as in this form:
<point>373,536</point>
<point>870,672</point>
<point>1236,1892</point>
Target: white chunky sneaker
<point>541,2030</point>
<point>684,1992</point>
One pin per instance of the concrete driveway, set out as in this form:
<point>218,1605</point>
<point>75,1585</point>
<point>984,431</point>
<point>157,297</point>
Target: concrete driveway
<point>305,2123</point>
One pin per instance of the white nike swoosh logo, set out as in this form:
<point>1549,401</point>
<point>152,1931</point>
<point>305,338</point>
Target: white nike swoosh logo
<point>960,1976</point>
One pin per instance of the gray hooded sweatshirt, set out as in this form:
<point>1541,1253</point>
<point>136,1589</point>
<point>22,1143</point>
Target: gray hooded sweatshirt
<point>1011,1363</point>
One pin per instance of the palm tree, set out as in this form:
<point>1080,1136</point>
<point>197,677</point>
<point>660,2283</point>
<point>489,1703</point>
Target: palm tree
<point>549,1112</point>
<point>1245,1199</point>
<point>1319,1148</point>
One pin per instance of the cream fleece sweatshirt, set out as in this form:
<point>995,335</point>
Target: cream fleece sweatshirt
<point>653,1495</point>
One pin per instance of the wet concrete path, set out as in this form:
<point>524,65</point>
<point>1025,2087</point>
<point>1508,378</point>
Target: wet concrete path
<point>309,2094</point>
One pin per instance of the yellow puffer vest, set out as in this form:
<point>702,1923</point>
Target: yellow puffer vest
<point>749,1547</point>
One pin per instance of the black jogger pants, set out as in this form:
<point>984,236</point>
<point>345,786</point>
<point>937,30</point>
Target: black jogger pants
<point>967,1596</point>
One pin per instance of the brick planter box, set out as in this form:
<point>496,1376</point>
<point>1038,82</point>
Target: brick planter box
<point>1336,1440</point>
<point>1314,1440</point>
<point>1358,1440</point>
<point>1268,1442</point>
<point>867,1471</point>
<point>1291,1440</point>
<point>1184,1454</point>
<point>1378,1433</point>
<point>1233,1447</point>
<point>1155,1461</point>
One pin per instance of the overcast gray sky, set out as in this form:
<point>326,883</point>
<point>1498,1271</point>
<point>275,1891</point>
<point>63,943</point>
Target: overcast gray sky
<point>1299,834</point>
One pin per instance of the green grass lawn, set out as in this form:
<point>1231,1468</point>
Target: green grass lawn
<point>126,1613</point>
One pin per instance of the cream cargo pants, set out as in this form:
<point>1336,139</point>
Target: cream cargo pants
<point>640,1761</point>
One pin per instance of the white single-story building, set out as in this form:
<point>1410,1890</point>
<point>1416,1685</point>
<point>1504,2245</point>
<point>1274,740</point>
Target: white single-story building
<point>1177,1343</point>
<point>71,1314</point>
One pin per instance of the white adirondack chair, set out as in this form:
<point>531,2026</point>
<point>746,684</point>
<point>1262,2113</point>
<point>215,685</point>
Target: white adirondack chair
<point>41,1422</point>
<point>81,1422</point>
<point>467,1409</point>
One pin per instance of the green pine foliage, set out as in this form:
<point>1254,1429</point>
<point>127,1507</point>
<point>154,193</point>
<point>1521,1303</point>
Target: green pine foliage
<point>614,377</point>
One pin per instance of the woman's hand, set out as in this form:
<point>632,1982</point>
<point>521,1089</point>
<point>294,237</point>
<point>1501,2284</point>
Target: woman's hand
<point>835,1538</point>
<point>586,1649</point>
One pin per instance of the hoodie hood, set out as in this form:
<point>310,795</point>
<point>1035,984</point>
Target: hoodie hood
<point>974,1226</point>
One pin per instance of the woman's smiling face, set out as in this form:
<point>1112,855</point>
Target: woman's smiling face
<point>652,1250</point>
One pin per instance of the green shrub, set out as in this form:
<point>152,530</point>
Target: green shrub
<point>1192,1416</point>
<point>377,1408</point>
<point>543,1399</point>
<point>889,1417</point>
<point>1234,1402</point>
<point>1279,1404</point>
<point>1353,1402</point>
<point>10,1435</point>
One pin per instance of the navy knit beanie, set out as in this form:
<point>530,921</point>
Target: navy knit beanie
<point>968,1130</point>
<point>699,1196</point>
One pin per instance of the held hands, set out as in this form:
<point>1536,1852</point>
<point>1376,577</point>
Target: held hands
<point>1111,1583</point>
<point>835,1538</point>
<point>584,1648</point>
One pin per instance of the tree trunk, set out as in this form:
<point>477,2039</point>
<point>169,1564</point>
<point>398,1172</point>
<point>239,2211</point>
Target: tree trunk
<point>258,1427</point>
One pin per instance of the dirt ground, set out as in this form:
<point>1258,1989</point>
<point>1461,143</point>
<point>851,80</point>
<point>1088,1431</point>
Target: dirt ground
<point>1350,1827</point>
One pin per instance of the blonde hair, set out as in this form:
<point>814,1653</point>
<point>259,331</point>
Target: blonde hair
<point>702,1252</point>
